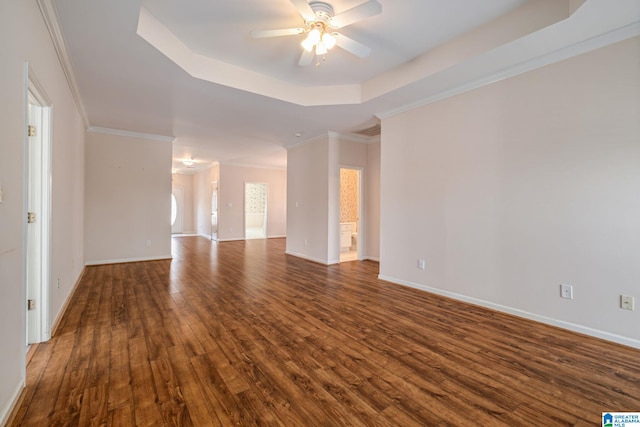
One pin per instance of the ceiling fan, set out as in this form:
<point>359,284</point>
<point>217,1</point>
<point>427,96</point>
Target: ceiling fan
<point>320,25</point>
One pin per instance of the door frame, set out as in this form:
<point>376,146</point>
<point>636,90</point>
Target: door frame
<point>266,209</point>
<point>360,221</point>
<point>38,257</point>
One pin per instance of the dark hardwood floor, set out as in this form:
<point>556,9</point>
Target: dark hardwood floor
<point>241,334</point>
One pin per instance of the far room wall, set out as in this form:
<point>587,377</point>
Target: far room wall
<point>231,200</point>
<point>127,199</point>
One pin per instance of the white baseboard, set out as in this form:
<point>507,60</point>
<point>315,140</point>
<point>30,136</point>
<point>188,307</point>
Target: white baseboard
<point>231,239</point>
<point>11,404</point>
<point>371,258</point>
<point>63,309</point>
<point>619,339</point>
<point>125,260</point>
<point>308,258</point>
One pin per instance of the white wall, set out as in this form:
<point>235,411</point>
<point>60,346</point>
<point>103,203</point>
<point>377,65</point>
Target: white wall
<point>372,202</point>
<point>127,199</point>
<point>25,38</point>
<point>511,189</point>
<point>307,200</point>
<point>231,200</point>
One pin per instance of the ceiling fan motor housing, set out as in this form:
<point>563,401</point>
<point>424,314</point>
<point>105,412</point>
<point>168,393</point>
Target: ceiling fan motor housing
<point>323,11</point>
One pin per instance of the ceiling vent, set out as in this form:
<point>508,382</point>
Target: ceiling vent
<point>370,131</point>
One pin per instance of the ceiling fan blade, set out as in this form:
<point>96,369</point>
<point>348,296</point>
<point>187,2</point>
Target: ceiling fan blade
<point>260,34</point>
<point>306,58</point>
<point>355,14</point>
<point>304,9</point>
<point>352,46</point>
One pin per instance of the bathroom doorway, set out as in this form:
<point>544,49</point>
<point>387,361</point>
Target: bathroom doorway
<point>350,214</point>
<point>255,210</point>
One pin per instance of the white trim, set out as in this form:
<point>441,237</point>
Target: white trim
<point>187,234</point>
<point>372,258</point>
<point>50,16</point>
<point>277,236</point>
<point>208,237</point>
<point>131,134</point>
<point>11,404</point>
<point>585,46</point>
<point>126,260</point>
<point>631,342</point>
<point>253,166</point>
<point>332,134</point>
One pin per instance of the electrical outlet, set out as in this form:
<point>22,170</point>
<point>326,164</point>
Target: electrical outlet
<point>626,302</point>
<point>421,264</point>
<point>148,242</point>
<point>566,291</point>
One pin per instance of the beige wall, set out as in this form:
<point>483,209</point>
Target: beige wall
<point>307,200</point>
<point>511,189</point>
<point>127,199</point>
<point>231,200</point>
<point>372,202</point>
<point>186,183</point>
<point>25,38</point>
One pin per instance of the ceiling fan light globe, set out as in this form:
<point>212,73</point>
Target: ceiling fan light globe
<point>314,36</point>
<point>321,49</point>
<point>307,45</point>
<point>328,40</point>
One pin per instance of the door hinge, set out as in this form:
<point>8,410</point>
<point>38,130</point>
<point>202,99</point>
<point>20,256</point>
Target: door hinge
<point>31,130</point>
<point>31,304</point>
<point>31,217</point>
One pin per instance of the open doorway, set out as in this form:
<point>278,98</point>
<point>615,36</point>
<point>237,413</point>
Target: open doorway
<point>177,210</point>
<point>255,210</point>
<point>38,213</point>
<point>214,210</point>
<point>350,214</point>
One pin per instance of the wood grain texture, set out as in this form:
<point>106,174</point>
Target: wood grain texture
<point>238,333</point>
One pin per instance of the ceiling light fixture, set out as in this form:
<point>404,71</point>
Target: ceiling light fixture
<point>188,162</point>
<point>319,39</point>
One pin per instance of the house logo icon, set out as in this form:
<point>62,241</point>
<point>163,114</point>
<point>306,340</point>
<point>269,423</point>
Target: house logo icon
<point>607,420</point>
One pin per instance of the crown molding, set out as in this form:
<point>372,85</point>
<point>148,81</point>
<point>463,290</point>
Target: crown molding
<point>585,46</point>
<point>127,133</point>
<point>50,16</point>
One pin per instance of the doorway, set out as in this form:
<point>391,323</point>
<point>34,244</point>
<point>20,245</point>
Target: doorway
<point>351,235</point>
<point>214,210</point>
<point>255,210</point>
<point>38,213</point>
<point>177,210</point>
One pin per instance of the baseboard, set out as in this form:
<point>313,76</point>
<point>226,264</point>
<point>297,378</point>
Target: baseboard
<point>65,305</point>
<point>619,339</point>
<point>232,239</point>
<point>372,258</point>
<point>125,260</point>
<point>188,234</point>
<point>308,258</point>
<point>16,398</point>
<point>284,236</point>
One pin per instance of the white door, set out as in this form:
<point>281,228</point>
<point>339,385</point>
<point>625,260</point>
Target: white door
<point>177,210</point>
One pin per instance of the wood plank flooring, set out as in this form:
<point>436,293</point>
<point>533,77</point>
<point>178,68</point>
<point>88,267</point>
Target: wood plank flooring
<point>238,333</point>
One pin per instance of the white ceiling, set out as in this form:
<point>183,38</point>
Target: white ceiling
<point>229,98</point>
